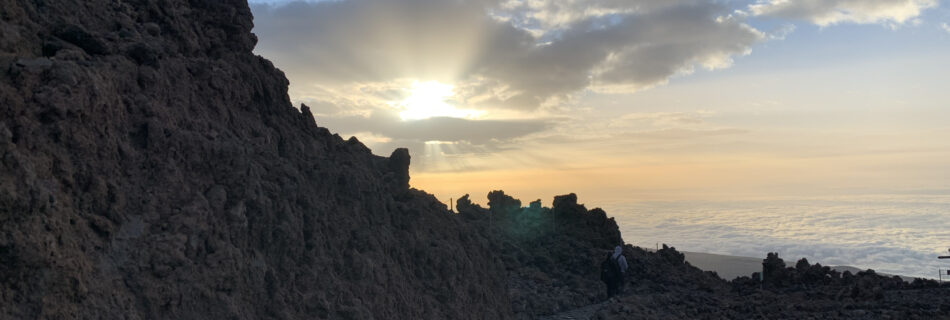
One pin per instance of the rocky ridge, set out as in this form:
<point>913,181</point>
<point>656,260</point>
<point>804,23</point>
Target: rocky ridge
<point>551,255</point>
<point>805,291</point>
<point>151,166</point>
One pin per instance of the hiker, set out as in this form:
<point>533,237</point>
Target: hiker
<point>622,264</point>
<point>610,275</point>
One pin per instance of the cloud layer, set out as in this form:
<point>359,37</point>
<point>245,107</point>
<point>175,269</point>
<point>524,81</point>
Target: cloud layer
<point>901,235</point>
<point>444,129</point>
<point>502,55</point>
<point>830,12</point>
<point>528,70</point>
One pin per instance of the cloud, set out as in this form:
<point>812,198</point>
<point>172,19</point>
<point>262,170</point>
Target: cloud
<point>446,129</point>
<point>548,15</point>
<point>518,64</point>
<point>637,134</point>
<point>830,12</point>
<point>831,231</point>
<point>659,119</point>
<point>781,32</point>
<point>501,55</point>
<point>440,156</point>
<point>945,27</point>
<point>681,134</point>
<point>437,144</point>
<point>667,126</point>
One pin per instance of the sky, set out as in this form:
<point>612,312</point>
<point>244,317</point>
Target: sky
<point>630,100</point>
<point>817,129</point>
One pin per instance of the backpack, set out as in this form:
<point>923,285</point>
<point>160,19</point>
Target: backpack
<point>619,267</point>
<point>610,270</point>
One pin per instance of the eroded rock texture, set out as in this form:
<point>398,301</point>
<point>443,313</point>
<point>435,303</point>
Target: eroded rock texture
<point>668,288</point>
<point>151,166</point>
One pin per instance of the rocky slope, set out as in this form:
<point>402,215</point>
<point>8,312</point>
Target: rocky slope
<point>151,166</point>
<point>551,255</point>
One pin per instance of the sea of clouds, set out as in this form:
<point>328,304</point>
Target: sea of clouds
<point>891,234</point>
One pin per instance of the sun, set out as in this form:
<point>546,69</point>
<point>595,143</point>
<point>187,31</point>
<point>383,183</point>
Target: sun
<point>429,99</point>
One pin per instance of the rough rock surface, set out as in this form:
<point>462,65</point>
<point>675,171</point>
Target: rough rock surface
<point>804,292</point>
<point>151,166</point>
<point>551,255</point>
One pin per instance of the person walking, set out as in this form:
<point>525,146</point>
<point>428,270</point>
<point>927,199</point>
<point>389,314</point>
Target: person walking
<point>621,261</point>
<point>610,274</point>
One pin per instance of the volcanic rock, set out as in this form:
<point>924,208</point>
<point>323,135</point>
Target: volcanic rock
<point>151,166</point>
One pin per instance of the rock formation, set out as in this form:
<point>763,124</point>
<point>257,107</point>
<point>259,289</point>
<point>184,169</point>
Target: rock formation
<point>803,292</point>
<point>151,166</point>
<point>551,255</point>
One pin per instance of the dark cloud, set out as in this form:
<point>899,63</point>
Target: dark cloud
<point>442,157</point>
<point>476,132</point>
<point>508,56</point>
<point>632,49</point>
<point>438,144</point>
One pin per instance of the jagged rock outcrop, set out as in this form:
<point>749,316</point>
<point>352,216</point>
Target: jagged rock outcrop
<point>151,166</point>
<point>551,255</point>
<point>802,292</point>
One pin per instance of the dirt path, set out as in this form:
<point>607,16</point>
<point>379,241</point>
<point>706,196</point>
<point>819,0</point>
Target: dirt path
<point>582,313</point>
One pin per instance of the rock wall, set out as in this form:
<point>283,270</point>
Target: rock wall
<point>151,166</point>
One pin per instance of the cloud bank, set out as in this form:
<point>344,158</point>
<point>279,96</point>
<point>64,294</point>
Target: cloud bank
<point>525,67</point>
<point>902,235</point>
<point>442,128</point>
<point>504,55</point>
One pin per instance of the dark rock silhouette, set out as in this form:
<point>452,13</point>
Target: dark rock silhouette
<point>151,166</point>
<point>551,255</point>
<point>801,292</point>
<point>399,166</point>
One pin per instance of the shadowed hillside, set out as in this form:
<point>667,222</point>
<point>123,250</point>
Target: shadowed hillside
<point>799,292</point>
<point>551,255</point>
<point>151,166</point>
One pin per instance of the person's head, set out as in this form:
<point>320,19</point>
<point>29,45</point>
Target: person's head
<point>617,250</point>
